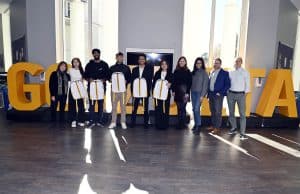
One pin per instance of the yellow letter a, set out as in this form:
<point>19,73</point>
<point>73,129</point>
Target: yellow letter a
<point>279,92</point>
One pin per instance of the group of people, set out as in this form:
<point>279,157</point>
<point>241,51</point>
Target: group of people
<point>67,87</point>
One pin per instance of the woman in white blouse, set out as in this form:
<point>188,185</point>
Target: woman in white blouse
<point>161,93</point>
<point>77,94</point>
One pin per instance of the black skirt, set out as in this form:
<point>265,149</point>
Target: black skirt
<point>180,92</point>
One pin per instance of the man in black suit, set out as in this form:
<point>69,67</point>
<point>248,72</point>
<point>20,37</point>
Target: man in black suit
<point>146,72</point>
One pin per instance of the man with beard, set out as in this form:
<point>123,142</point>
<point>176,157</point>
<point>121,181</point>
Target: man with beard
<point>219,83</point>
<point>96,71</point>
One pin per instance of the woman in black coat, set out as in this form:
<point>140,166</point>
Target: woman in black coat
<point>181,86</point>
<point>162,107</point>
<point>58,86</point>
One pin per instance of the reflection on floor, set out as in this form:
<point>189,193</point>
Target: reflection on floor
<point>52,158</point>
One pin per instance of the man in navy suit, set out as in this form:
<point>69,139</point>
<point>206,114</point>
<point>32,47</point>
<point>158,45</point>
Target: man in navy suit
<point>219,84</point>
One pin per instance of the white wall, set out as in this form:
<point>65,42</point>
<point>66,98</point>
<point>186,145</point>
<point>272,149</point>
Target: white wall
<point>40,20</point>
<point>151,24</point>
<point>287,33</point>
<point>287,23</point>
<point>270,21</point>
<point>296,3</point>
<point>18,19</point>
<point>261,38</point>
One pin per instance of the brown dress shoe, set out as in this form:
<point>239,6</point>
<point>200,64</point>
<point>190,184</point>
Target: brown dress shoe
<point>210,128</point>
<point>215,131</point>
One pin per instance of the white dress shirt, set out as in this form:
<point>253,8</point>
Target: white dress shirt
<point>75,74</point>
<point>239,80</point>
<point>141,70</point>
<point>213,78</point>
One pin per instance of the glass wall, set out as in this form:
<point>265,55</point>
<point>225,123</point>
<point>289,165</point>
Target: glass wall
<point>212,28</point>
<point>89,24</point>
<point>196,29</point>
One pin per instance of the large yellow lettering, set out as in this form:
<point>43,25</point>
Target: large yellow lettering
<point>278,92</point>
<point>17,87</point>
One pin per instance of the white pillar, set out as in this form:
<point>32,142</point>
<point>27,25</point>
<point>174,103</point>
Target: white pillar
<point>77,30</point>
<point>296,65</point>
<point>110,30</point>
<point>59,22</point>
<point>6,39</point>
<point>230,33</point>
<point>196,35</point>
<point>243,31</point>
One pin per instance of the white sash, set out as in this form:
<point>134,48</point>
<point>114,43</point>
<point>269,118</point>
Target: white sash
<point>118,82</point>
<point>161,90</point>
<point>96,90</point>
<point>140,88</point>
<point>78,90</point>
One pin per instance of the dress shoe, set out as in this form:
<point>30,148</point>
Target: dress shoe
<point>210,128</point>
<point>215,131</point>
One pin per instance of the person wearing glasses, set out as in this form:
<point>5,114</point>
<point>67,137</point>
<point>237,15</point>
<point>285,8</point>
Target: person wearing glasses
<point>198,91</point>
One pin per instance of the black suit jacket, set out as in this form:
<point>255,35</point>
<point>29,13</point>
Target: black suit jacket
<point>147,74</point>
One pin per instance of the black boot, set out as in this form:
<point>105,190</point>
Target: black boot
<point>195,128</point>
<point>197,131</point>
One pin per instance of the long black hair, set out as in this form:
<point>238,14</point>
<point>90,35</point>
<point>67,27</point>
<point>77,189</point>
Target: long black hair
<point>60,64</point>
<point>160,64</point>
<point>195,64</point>
<point>80,65</point>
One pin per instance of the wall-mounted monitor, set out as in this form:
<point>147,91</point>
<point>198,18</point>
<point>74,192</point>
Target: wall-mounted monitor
<point>154,56</point>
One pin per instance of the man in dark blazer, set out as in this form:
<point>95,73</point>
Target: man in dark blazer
<point>141,71</point>
<point>219,84</point>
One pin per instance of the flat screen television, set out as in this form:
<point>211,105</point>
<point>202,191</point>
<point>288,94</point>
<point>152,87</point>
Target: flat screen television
<point>153,57</point>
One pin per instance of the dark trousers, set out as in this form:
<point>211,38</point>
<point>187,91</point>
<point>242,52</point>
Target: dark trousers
<point>162,109</point>
<point>135,108</point>
<point>181,113</point>
<point>74,115</point>
<point>216,105</point>
<point>62,104</point>
<point>96,116</point>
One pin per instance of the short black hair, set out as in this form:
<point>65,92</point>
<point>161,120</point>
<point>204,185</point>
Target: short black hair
<point>96,50</point>
<point>119,54</point>
<point>142,55</point>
